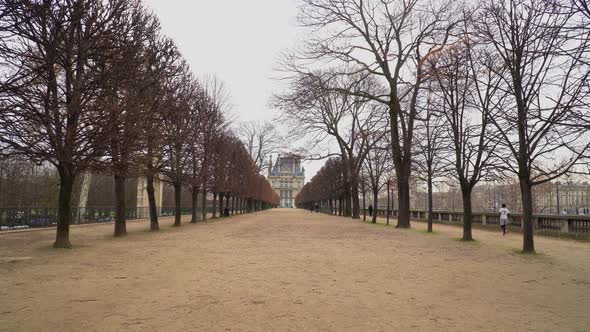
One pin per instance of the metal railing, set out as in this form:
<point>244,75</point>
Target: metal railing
<point>36,217</point>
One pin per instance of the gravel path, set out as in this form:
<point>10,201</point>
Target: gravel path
<point>290,270</point>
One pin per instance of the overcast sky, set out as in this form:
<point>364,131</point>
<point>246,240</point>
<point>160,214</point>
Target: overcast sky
<point>237,40</point>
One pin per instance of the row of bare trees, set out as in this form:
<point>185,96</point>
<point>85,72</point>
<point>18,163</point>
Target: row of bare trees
<point>471,92</point>
<point>23,183</point>
<point>325,189</point>
<point>94,86</point>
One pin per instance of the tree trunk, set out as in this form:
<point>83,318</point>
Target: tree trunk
<point>154,226</point>
<point>220,204</point>
<point>347,201</point>
<point>204,205</point>
<point>403,198</point>
<point>233,205</point>
<point>429,203</point>
<point>364,206</point>
<point>227,204</point>
<point>66,182</point>
<point>346,194</point>
<point>214,205</point>
<point>388,206</point>
<point>194,199</point>
<point>177,213</point>
<point>528,243</point>
<point>375,196</point>
<point>467,214</point>
<point>120,224</point>
<point>355,197</point>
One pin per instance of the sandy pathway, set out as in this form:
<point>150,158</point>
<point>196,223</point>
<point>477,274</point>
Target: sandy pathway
<point>291,270</point>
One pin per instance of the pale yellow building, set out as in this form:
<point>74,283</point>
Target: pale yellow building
<point>563,198</point>
<point>286,177</point>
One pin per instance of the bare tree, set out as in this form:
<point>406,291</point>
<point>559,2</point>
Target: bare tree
<point>431,143</point>
<point>545,81</point>
<point>321,189</point>
<point>161,57</point>
<point>376,164</point>
<point>583,6</point>
<point>318,112</point>
<point>457,72</point>
<point>261,139</point>
<point>123,99</point>
<point>194,179</point>
<point>49,90</point>
<point>25,184</point>
<point>389,41</point>
<point>216,107</point>
<point>178,123</point>
<point>363,185</point>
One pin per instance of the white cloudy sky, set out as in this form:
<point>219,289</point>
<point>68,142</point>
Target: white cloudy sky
<point>237,40</point>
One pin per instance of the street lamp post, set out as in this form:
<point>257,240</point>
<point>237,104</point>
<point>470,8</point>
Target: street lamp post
<point>557,197</point>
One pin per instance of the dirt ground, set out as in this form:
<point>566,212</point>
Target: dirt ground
<point>291,270</point>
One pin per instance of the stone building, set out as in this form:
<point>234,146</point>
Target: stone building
<point>286,177</point>
<point>570,198</point>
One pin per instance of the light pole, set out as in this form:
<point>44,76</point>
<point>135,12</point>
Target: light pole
<point>557,197</point>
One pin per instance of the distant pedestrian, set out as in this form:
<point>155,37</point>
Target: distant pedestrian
<point>370,210</point>
<point>504,218</point>
<point>317,208</point>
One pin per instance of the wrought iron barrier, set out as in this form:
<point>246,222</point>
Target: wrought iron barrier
<point>35,217</point>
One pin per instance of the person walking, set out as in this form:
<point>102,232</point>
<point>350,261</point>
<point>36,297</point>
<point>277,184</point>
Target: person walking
<point>504,218</point>
<point>370,210</point>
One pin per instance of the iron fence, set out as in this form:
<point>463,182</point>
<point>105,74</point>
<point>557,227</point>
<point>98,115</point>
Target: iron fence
<point>36,217</point>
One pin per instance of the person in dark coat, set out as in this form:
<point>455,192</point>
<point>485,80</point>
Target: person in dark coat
<point>370,210</point>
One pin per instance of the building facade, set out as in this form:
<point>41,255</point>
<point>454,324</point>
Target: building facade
<point>564,198</point>
<point>286,177</point>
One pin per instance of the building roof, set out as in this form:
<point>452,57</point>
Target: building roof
<point>289,164</point>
